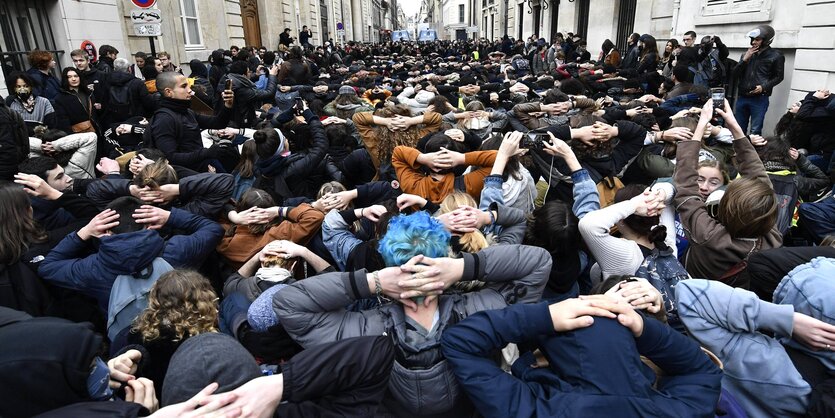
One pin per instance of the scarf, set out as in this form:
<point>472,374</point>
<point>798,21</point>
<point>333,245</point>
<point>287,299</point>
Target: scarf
<point>28,104</point>
<point>270,167</point>
<point>772,166</point>
<point>349,106</point>
<point>179,106</point>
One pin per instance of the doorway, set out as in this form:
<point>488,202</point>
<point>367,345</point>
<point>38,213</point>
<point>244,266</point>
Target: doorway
<point>626,24</point>
<point>324,25</point>
<point>252,26</point>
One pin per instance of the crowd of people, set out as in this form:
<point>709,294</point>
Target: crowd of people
<point>444,229</point>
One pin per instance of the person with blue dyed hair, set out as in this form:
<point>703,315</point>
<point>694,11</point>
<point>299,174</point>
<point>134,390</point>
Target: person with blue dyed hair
<point>413,307</point>
<point>411,235</point>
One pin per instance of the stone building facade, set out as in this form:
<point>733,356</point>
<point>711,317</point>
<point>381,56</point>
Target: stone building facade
<point>190,28</point>
<point>804,30</point>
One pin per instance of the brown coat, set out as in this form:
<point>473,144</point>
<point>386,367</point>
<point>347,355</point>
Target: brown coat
<point>712,250</point>
<point>414,181</point>
<point>302,222</point>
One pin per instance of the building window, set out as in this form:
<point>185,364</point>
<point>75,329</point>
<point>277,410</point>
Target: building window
<point>725,7</point>
<point>191,23</point>
<point>461,13</point>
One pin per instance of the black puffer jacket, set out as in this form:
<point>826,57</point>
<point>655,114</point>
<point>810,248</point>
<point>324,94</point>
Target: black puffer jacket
<point>175,130</point>
<point>299,174</point>
<point>141,103</point>
<point>44,363</point>
<point>201,194</point>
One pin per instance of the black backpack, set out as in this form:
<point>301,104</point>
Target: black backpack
<point>711,72</point>
<point>19,131</point>
<point>119,102</point>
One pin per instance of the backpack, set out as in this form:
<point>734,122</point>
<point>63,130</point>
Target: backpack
<point>710,72</point>
<point>607,187</point>
<point>22,289</point>
<point>663,271</point>
<point>20,132</point>
<point>785,191</point>
<point>119,101</point>
<point>129,296</point>
<point>521,64</point>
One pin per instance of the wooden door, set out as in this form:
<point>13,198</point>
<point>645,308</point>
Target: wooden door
<point>252,27</point>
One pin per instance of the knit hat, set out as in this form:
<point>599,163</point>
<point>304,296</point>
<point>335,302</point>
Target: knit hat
<point>347,90</point>
<point>261,314</point>
<point>203,359</point>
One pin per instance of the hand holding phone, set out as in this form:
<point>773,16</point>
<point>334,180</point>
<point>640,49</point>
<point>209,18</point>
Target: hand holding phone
<point>717,95</point>
<point>228,84</point>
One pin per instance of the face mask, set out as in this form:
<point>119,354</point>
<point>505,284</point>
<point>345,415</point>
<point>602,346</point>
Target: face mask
<point>23,92</point>
<point>98,381</point>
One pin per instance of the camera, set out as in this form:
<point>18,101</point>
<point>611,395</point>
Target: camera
<point>534,140</point>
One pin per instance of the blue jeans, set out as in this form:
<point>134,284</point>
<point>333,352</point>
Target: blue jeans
<point>753,108</point>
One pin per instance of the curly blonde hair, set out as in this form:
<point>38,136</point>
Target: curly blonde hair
<point>182,303</point>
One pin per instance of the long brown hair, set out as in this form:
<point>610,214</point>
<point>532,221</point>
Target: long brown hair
<point>246,166</point>
<point>387,139</point>
<point>181,304</point>
<point>17,227</point>
<point>255,198</point>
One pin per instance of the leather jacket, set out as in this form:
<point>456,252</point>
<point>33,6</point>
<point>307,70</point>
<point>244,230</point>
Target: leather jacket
<point>765,69</point>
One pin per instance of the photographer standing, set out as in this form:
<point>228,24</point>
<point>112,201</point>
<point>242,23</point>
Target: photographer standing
<point>759,70</point>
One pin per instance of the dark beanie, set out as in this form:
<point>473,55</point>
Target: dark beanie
<point>203,359</point>
<point>197,68</point>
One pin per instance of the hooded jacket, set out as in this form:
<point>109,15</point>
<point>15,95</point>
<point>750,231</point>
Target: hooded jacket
<point>128,253</point>
<point>44,363</point>
<point>301,173</point>
<point>201,194</point>
<point>587,375</point>
<point>141,102</point>
<point>751,336</point>
<point>313,312</point>
<point>247,98</point>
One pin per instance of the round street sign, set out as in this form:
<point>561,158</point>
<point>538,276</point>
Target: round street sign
<point>143,3</point>
<point>339,26</point>
<point>90,49</point>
